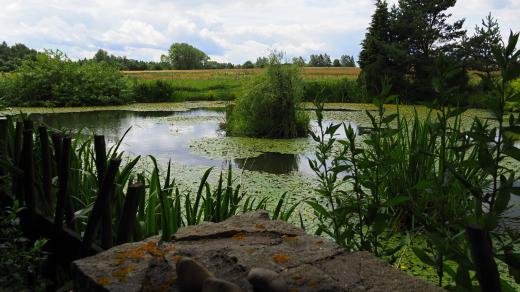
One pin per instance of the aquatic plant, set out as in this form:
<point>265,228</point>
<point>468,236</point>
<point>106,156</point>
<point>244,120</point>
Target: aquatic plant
<point>268,105</point>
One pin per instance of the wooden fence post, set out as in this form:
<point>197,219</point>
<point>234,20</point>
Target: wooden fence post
<point>128,216</point>
<point>17,187</point>
<point>46,168</point>
<point>106,216</point>
<point>28,171</point>
<point>102,198</point>
<point>3,156</point>
<point>482,254</point>
<point>63,179</point>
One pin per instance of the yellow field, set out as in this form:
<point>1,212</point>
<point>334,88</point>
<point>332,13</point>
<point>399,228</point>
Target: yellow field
<point>308,73</point>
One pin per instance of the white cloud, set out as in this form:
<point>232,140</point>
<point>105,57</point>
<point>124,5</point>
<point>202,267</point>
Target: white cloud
<point>227,30</point>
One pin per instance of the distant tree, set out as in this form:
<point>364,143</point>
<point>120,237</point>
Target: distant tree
<point>300,61</point>
<point>321,60</point>
<point>185,57</point>
<point>326,61</point>
<point>347,61</point>
<point>261,62</point>
<point>101,55</point>
<point>248,65</point>
<point>481,44</point>
<point>336,63</point>
<point>12,57</point>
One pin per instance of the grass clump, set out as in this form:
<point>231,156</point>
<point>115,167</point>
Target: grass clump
<point>268,105</point>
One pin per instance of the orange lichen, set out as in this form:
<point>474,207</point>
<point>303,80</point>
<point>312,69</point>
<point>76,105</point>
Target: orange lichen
<point>151,248</point>
<point>280,258</point>
<point>122,274</point>
<point>139,252</point>
<point>103,281</point>
<point>290,238</point>
<point>177,258</point>
<point>260,226</point>
<point>319,242</point>
<point>238,236</point>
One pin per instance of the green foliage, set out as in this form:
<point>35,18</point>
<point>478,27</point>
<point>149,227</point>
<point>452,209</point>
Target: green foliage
<point>427,178</point>
<point>480,46</point>
<point>268,106</point>
<point>403,44</point>
<point>21,262</point>
<point>152,91</point>
<point>341,90</point>
<point>54,80</point>
<point>12,57</point>
<point>321,60</point>
<point>183,56</point>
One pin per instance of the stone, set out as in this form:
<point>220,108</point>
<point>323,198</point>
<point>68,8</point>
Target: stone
<point>233,249</point>
<point>264,280</point>
<point>219,285</point>
<point>191,275</point>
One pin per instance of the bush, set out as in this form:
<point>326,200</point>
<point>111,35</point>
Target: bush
<point>153,91</point>
<point>54,80</point>
<point>342,90</point>
<point>268,104</point>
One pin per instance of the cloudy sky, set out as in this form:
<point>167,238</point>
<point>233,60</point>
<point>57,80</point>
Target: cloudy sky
<point>227,30</point>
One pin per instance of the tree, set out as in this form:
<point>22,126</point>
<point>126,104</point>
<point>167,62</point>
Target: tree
<point>403,43</point>
<point>382,57</point>
<point>423,29</point>
<point>261,62</point>
<point>321,60</point>
<point>185,57</point>
<point>12,57</point>
<point>248,65</point>
<point>300,61</point>
<point>347,61</point>
<point>481,57</point>
<point>336,63</point>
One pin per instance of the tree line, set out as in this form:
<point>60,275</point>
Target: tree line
<point>410,43</point>
<point>180,56</point>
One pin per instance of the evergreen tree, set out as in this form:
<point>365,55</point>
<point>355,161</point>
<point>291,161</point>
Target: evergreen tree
<point>480,46</point>
<point>424,31</point>
<point>382,57</point>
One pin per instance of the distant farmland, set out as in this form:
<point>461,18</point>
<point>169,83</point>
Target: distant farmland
<point>308,73</point>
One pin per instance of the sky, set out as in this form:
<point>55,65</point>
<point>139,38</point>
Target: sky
<point>228,31</point>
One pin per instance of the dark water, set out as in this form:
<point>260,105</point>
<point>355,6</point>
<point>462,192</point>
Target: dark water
<point>166,134</point>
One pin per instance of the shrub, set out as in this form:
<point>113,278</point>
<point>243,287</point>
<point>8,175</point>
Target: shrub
<point>342,90</point>
<point>153,91</point>
<point>268,104</point>
<point>54,80</point>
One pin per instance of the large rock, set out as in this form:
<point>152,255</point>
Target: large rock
<point>230,249</point>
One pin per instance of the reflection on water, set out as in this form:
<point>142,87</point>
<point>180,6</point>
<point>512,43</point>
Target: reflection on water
<point>273,162</point>
<point>166,135</point>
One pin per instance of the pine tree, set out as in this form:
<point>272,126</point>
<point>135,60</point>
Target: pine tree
<point>481,44</point>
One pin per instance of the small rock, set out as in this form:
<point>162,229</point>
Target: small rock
<point>191,275</point>
<point>264,280</point>
<point>219,285</point>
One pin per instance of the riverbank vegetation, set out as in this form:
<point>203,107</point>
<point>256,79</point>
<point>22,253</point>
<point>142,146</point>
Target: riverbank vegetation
<point>269,106</point>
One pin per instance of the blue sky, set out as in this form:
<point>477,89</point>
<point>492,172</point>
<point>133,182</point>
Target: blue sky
<point>228,31</point>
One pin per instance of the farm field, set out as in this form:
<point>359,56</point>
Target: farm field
<point>308,73</point>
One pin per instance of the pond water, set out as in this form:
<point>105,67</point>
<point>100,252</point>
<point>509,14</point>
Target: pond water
<point>189,135</point>
<point>168,134</point>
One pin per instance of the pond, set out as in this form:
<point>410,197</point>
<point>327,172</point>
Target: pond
<point>190,135</point>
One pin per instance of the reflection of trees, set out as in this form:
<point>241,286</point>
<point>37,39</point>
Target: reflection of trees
<point>271,162</point>
<point>112,124</point>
